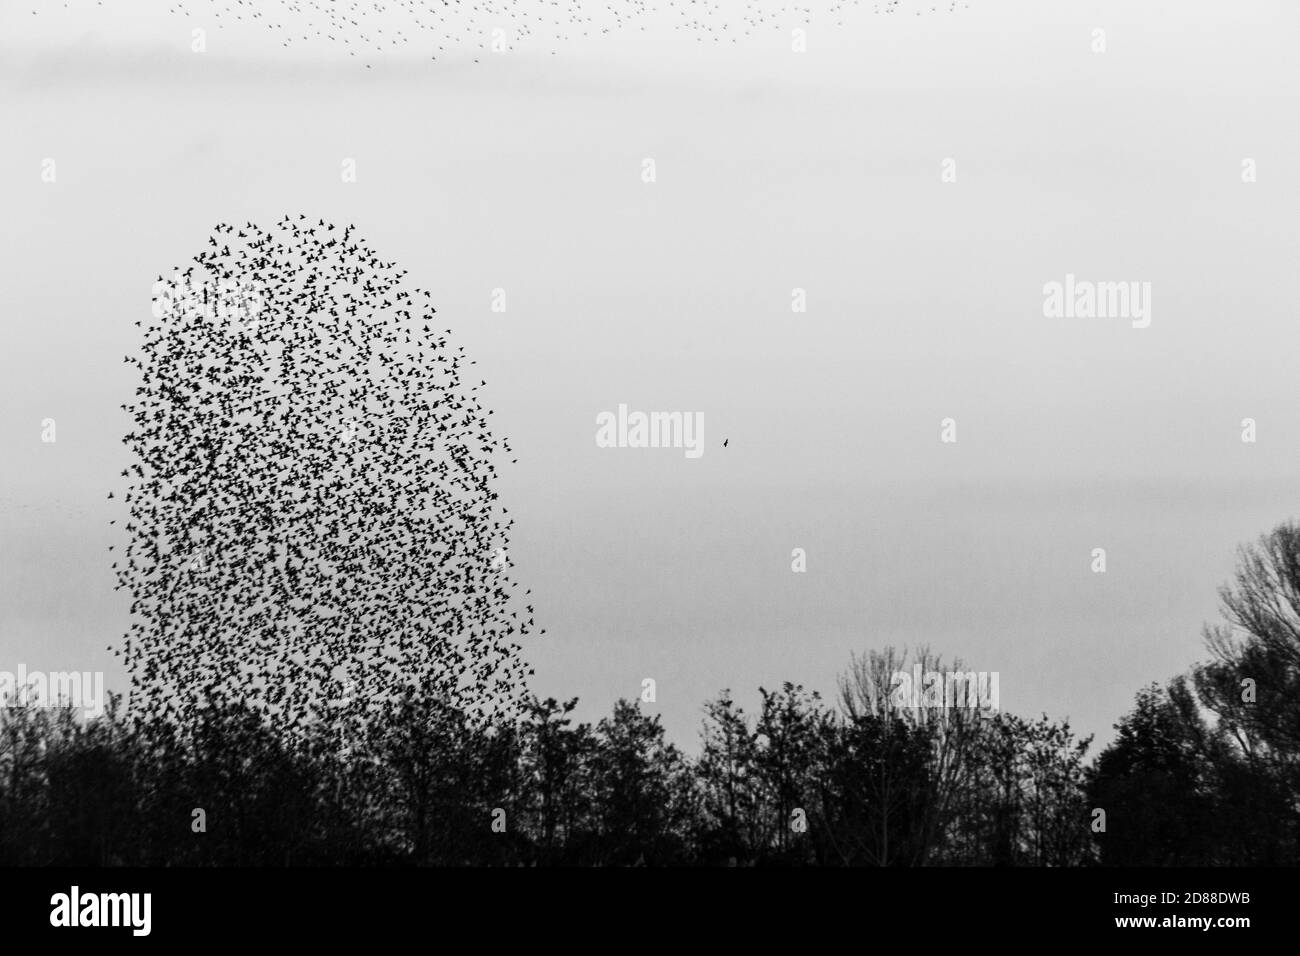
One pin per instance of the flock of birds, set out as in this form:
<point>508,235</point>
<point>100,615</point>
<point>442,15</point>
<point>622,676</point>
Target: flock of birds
<point>439,27</point>
<point>312,521</point>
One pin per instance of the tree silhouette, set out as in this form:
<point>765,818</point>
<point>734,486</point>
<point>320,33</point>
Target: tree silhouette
<point>919,759</point>
<point>729,823</point>
<point>1252,684</point>
<point>640,789</point>
<point>1206,771</point>
<point>1155,789</point>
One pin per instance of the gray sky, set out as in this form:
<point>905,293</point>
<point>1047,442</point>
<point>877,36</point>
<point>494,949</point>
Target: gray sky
<point>775,170</point>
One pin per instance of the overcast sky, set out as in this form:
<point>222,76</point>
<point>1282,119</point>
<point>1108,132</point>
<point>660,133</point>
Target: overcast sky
<point>775,170</point>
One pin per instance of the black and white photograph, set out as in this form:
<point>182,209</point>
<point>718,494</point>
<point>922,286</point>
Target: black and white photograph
<point>855,442</point>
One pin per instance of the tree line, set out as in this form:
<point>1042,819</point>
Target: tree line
<point>1204,770</point>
